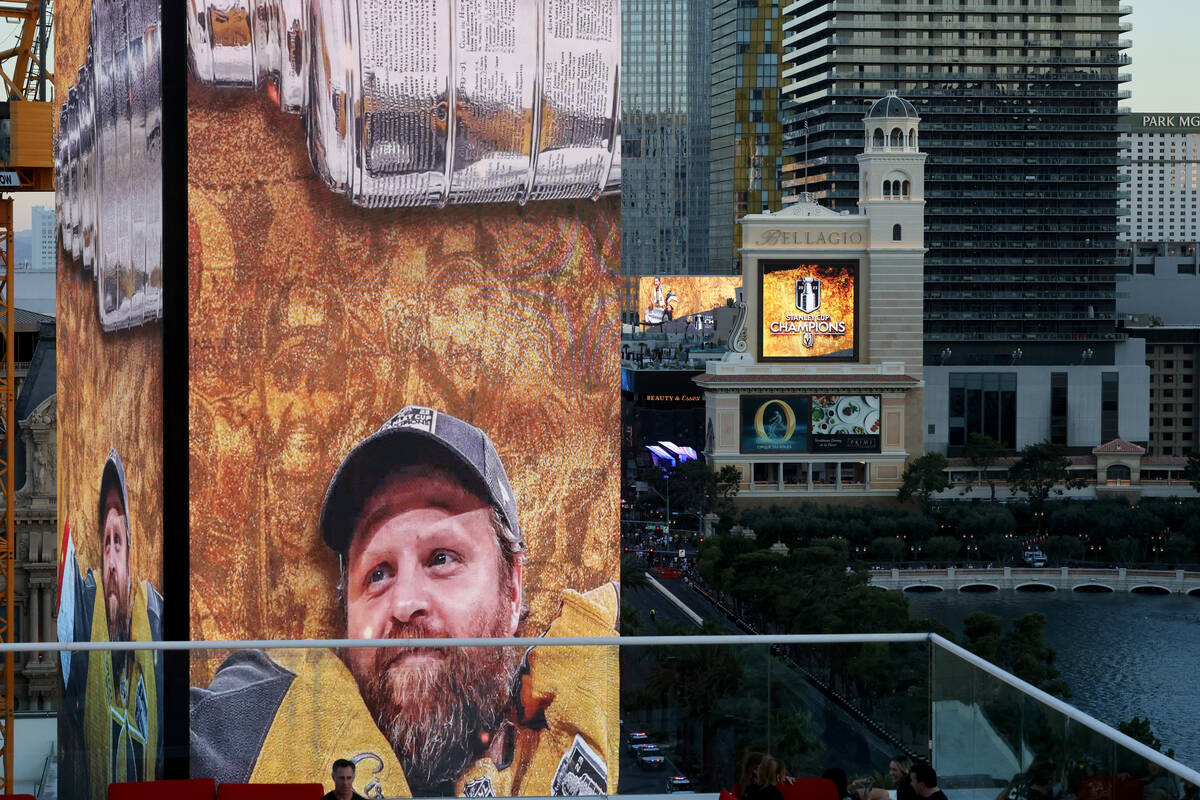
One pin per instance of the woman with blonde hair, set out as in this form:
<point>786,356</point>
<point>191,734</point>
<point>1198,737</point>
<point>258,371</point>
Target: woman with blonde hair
<point>762,785</point>
<point>898,770</point>
<point>750,763</point>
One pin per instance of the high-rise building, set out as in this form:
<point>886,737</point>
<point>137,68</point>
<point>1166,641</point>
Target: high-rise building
<point>1023,188</point>
<point>43,250</point>
<point>747,131</point>
<point>665,130</point>
<point>1164,176</point>
<point>1158,300</point>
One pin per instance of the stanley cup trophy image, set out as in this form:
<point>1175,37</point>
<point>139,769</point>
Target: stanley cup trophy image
<point>430,102</point>
<point>109,163</point>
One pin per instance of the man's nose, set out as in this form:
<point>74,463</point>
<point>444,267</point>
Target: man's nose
<point>409,599</point>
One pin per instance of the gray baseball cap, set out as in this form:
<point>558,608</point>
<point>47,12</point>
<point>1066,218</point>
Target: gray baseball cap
<point>113,477</point>
<point>416,435</point>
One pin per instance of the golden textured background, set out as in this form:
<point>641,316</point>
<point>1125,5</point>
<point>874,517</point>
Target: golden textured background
<point>312,321</point>
<point>697,293</point>
<point>779,300</point>
<point>109,384</point>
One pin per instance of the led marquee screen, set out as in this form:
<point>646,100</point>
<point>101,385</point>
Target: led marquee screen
<point>810,424</point>
<point>809,310</point>
<point>845,423</point>
<point>673,303</point>
<point>775,424</point>
<point>109,376</point>
<point>404,393</point>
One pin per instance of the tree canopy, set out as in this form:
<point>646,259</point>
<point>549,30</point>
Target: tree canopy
<point>924,477</point>
<point>1042,469</point>
<point>983,452</point>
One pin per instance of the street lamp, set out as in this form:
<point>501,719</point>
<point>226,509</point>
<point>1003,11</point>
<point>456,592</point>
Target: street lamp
<point>646,487</point>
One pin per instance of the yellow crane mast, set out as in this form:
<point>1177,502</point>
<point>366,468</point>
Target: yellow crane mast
<point>26,164</point>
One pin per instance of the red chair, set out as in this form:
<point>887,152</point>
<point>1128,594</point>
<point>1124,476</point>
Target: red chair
<point>191,789</point>
<point>270,791</point>
<point>1110,787</point>
<point>17,797</point>
<point>809,789</point>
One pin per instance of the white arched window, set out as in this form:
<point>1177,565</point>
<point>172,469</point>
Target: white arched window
<point>897,137</point>
<point>896,233</point>
<point>878,140</point>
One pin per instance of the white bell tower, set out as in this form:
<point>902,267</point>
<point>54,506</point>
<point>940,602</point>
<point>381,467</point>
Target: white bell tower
<point>891,174</point>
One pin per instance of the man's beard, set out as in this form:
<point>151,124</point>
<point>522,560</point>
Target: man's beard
<point>434,713</point>
<point>116,604</point>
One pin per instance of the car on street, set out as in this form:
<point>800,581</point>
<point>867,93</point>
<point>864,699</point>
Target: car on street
<point>636,740</point>
<point>649,756</point>
<point>679,783</point>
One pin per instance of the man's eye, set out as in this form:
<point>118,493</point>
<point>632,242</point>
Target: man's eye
<point>442,558</point>
<point>377,574</point>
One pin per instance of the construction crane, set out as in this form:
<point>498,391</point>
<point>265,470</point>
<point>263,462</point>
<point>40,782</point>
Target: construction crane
<point>26,164</point>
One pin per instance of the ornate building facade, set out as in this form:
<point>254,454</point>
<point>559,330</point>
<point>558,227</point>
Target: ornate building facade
<point>36,521</point>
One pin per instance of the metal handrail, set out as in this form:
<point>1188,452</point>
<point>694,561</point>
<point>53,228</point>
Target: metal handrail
<point>469,641</point>
<point>41,784</point>
<point>1046,699</point>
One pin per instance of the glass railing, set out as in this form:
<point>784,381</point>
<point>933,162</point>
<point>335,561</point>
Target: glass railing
<point>990,730</point>
<point>592,716</point>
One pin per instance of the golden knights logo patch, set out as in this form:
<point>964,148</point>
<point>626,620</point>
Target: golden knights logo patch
<point>580,772</point>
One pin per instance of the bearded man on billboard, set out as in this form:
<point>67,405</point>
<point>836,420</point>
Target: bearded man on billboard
<point>111,721</point>
<point>424,523</point>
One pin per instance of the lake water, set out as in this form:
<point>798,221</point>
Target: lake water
<point>1122,654</point>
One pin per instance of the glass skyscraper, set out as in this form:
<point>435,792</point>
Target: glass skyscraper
<point>665,136</point>
<point>747,131</point>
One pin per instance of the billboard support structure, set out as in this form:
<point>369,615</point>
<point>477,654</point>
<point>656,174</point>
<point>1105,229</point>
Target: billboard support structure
<point>8,543</point>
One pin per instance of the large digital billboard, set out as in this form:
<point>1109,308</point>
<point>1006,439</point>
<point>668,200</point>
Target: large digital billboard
<point>679,303</point>
<point>810,424</point>
<point>404,420</point>
<point>808,310</point>
<point>777,424</point>
<point>108,164</point>
<point>845,424</point>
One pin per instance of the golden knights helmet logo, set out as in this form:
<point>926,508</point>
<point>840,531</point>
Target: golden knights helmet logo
<point>808,294</point>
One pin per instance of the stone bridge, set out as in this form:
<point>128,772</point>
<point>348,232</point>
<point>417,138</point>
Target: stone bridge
<point>1049,579</point>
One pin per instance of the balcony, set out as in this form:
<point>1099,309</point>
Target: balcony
<point>957,78</point>
<point>980,42</point>
<point>851,700</point>
<point>1019,316</point>
<point>1015,336</point>
<point>1024,227</point>
<point>991,211</point>
<point>1013,294</point>
<point>1013,277</point>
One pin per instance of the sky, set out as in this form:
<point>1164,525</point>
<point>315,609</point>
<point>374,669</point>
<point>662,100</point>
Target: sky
<point>1166,63</point>
<point>1166,58</point>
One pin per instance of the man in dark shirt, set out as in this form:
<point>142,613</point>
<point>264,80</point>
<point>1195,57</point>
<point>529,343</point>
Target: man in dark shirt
<point>343,782</point>
<point>924,782</point>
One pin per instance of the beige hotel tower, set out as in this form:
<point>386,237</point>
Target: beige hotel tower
<point>821,391</point>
